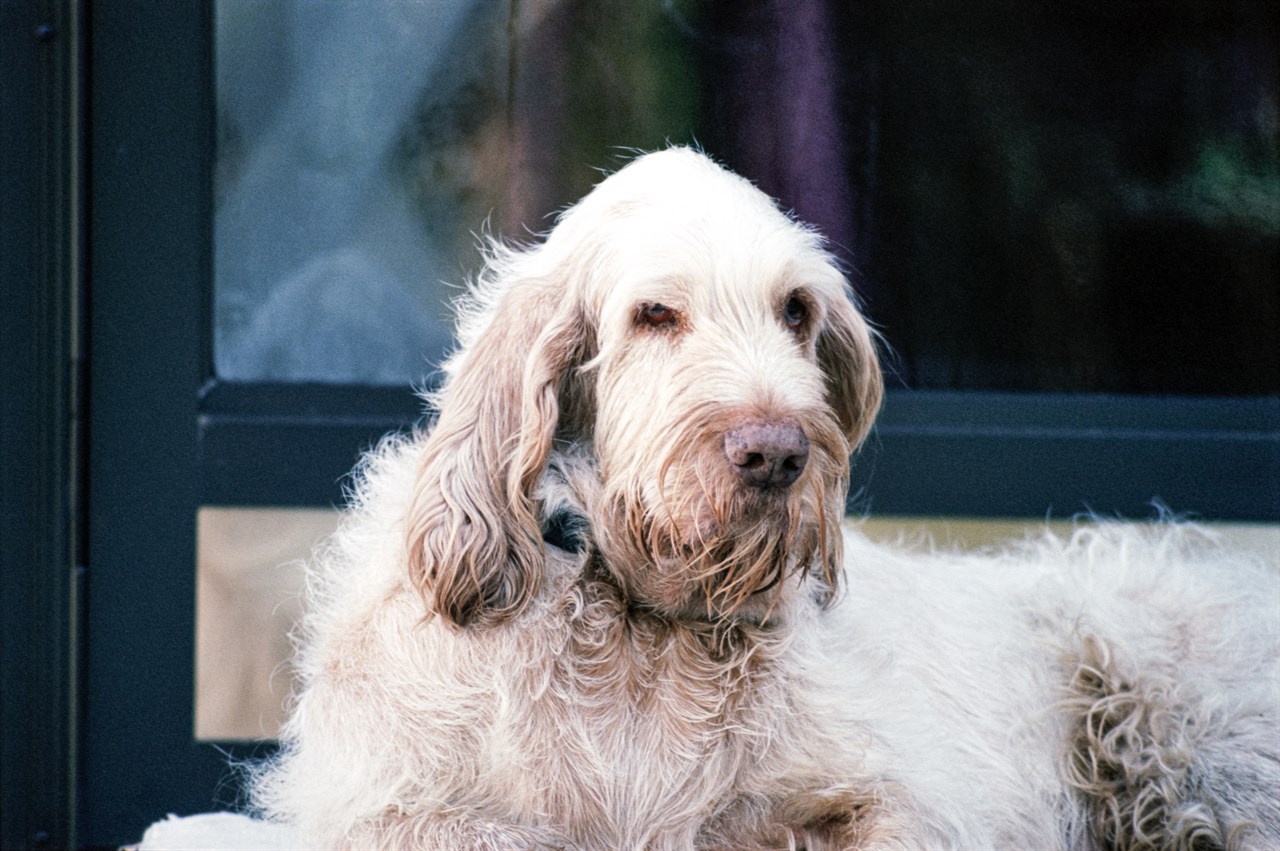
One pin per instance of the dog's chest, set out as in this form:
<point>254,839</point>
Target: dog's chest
<point>656,725</point>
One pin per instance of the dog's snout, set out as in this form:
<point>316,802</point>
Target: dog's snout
<point>767,454</point>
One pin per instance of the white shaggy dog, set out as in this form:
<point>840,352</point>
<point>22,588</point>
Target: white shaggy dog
<point>594,606</point>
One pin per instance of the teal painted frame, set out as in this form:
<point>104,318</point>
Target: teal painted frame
<point>41,418</point>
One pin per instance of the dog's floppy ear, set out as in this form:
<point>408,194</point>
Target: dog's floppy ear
<point>474,544</point>
<point>847,353</point>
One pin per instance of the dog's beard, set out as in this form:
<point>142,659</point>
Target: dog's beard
<point>711,547</point>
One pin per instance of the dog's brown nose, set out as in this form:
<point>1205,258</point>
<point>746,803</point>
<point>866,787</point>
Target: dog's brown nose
<point>767,455</point>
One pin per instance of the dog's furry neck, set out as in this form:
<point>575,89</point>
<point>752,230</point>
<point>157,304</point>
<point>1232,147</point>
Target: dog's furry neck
<point>568,488</point>
<point>601,607</point>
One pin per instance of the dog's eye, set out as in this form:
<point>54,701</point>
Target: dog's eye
<point>658,316</point>
<point>794,312</point>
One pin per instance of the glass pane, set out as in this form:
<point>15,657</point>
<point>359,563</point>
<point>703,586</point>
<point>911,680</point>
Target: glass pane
<point>250,587</point>
<point>248,598</point>
<point>1043,196</point>
<point>361,145</point>
<point>1079,196</point>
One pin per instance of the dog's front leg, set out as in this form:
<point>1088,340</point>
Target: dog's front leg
<point>453,829</point>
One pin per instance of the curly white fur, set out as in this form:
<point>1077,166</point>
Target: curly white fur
<point>561,618</point>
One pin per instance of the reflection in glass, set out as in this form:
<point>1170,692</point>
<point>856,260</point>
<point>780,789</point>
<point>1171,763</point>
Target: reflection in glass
<point>324,268</point>
<point>249,575</point>
<point>361,146</point>
<point>1060,197</point>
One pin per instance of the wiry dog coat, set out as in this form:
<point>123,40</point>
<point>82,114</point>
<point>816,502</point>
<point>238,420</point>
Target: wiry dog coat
<point>592,606</point>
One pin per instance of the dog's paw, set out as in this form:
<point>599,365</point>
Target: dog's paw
<point>828,818</point>
<point>843,817</point>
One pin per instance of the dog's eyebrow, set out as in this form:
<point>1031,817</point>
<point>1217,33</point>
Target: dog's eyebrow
<point>668,286</point>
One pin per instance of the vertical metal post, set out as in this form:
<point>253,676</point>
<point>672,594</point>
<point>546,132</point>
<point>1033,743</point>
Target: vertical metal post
<point>41,329</point>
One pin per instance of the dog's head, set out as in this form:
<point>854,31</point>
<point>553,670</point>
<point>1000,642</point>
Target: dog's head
<point>705,347</point>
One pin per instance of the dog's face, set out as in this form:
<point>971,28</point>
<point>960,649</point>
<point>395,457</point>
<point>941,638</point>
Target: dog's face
<point>722,436</point>
<point>707,349</point>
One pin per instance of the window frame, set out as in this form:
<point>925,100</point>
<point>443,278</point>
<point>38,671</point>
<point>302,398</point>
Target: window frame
<point>166,437</point>
<point>41,419</point>
<point>931,453</point>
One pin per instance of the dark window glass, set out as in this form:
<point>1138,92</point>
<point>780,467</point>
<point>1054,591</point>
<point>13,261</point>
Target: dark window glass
<point>1040,196</point>
<point>1053,196</point>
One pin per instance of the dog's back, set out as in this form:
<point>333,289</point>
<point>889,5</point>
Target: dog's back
<point>1118,687</point>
